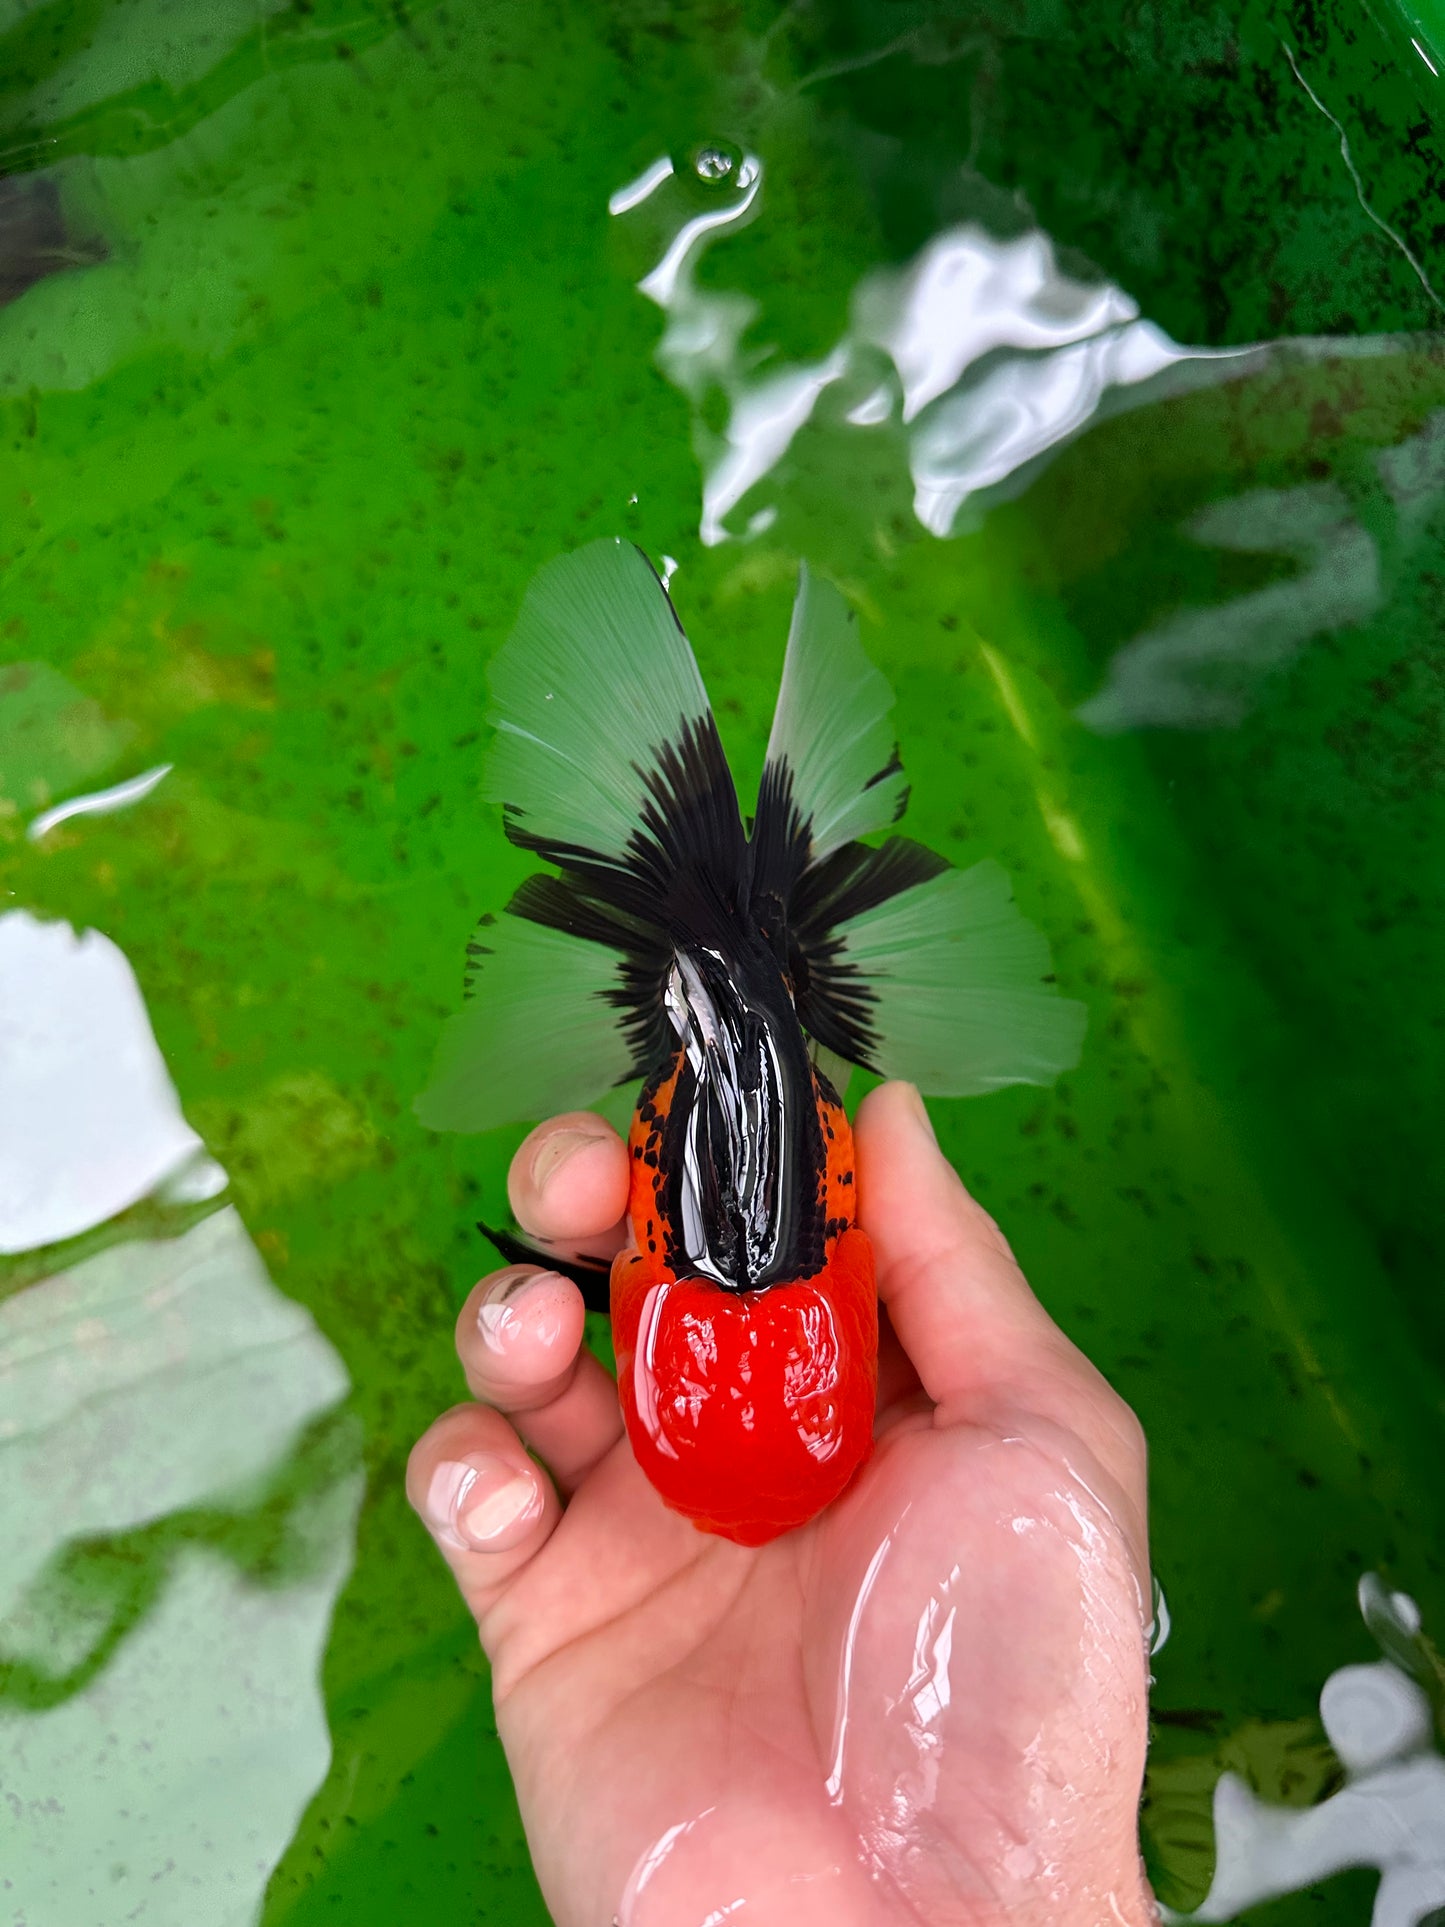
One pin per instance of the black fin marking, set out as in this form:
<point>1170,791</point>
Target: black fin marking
<point>893,767</point>
<point>779,845</point>
<point>690,829</point>
<point>682,878</point>
<point>858,878</point>
<point>560,903</point>
<point>691,823</point>
<point>477,952</point>
<point>833,997</point>
<point>590,1275</point>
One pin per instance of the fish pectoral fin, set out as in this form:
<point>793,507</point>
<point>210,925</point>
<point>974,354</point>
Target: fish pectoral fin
<point>588,1271</point>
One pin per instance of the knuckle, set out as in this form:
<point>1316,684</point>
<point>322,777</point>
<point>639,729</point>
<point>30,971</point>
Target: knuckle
<point>1125,1423</point>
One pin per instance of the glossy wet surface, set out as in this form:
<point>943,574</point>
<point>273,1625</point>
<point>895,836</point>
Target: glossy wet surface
<point>323,327</point>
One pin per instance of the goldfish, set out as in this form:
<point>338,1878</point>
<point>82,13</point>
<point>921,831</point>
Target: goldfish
<point>732,968</point>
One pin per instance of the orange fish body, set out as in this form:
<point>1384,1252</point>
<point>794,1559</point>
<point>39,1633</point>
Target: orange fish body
<point>749,1411</point>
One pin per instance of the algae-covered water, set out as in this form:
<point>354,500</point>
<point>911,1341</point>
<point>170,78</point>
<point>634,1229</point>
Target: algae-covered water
<point>1094,353</point>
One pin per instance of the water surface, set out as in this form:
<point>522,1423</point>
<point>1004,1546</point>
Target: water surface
<point>1097,359</point>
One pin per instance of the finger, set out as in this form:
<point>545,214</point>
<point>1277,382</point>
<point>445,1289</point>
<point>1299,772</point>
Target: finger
<point>961,1307</point>
<point>520,1340</point>
<point>569,1178</point>
<point>952,1289</point>
<point>898,1385</point>
<point>487,1506</point>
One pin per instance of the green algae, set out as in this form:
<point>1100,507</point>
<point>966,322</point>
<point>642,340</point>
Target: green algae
<point>350,345</point>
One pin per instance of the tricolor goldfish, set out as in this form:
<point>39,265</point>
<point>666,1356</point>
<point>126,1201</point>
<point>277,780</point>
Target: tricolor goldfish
<point>724,964</point>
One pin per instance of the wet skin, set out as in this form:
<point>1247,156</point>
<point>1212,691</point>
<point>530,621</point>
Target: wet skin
<point>927,1706</point>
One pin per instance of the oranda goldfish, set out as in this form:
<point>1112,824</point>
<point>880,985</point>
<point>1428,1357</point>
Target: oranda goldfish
<point>725,965</point>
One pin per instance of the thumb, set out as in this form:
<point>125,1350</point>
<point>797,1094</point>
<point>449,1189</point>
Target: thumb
<point>963,1310</point>
<point>961,1307</point>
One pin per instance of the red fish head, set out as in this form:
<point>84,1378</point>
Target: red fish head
<point>749,1411</point>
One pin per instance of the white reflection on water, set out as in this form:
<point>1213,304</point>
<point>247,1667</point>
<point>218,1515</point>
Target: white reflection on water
<point>90,1122</point>
<point>699,346</point>
<point>670,283</point>
<point>634,193</point>
<point>1020,409</point>
<point>155,1377</point>
<point>983,359</point>
<point>119,796</point>
<point>766,416</point>
<point>998,357</point>
<point>1200,667</point>
<point>1195,669</point>
<point>1390,1813</point>
<point>968,294</point>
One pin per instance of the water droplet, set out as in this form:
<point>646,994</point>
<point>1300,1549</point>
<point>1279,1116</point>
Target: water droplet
<point>718,163</point>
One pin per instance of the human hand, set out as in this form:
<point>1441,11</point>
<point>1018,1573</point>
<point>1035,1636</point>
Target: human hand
<point>928,1705</point>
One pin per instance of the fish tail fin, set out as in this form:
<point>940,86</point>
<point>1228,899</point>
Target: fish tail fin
<point>608,765</point>
<point>900,962</point>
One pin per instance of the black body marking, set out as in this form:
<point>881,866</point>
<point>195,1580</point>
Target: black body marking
<point>742,1147</point>
<point>728,949</point>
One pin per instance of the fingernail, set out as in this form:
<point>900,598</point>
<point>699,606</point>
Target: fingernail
<point>502,1310</point>
<point>920,1110</point>
<point>484,1504</point>
<point>498,1510</point>
<point>555,1151</point>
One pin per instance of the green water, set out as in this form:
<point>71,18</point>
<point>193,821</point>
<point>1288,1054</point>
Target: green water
<point>319,337</point>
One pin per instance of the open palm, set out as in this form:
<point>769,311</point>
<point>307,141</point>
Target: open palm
<point>926,1706</point>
